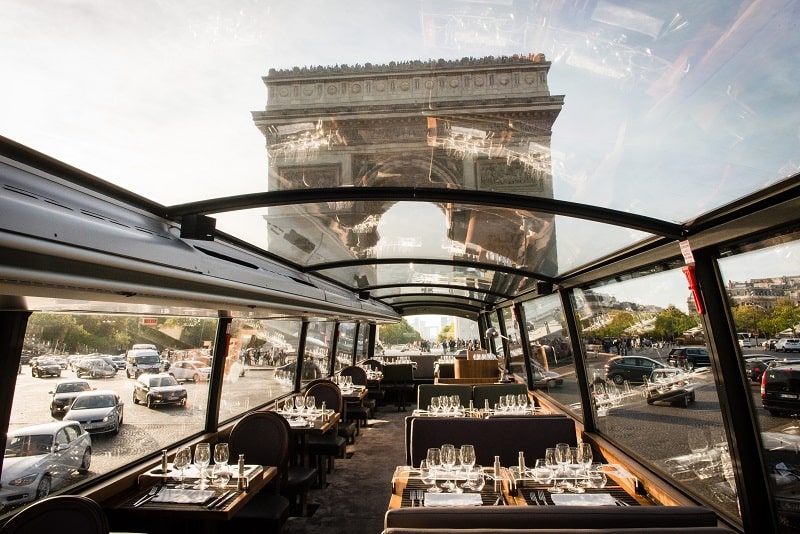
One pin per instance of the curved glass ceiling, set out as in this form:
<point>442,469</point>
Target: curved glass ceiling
<point>660,110</point>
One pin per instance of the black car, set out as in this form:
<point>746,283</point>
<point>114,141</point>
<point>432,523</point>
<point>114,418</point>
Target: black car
<point>95,368</point>
<point>756,364</point>
<point>631,368</point>
<point>689,357</point>
<point>63,395</point>
<point>154,389</point>
<point>780,388</point>
<point>41,367</point>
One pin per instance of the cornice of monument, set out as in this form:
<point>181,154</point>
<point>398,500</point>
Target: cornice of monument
<point>407,67</point>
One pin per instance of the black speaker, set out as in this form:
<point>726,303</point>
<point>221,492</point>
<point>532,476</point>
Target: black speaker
<point>199,227</point>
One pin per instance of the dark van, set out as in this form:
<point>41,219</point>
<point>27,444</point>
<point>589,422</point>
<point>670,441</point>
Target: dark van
<point>780,388</point>
<point>142,361</point>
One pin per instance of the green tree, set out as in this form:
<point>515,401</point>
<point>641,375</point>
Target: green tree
<point>672,322</point>
<point>785,315</point>
<point>398,333</point>
<point>446,333</point>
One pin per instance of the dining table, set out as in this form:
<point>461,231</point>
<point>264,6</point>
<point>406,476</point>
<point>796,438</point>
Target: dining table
<point>160,503</point>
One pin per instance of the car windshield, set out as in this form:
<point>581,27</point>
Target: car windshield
<point>25,445</point>
<point>94,401</point>
<point>72,387</point>
<point>150,359</point>
<point>162,381</point>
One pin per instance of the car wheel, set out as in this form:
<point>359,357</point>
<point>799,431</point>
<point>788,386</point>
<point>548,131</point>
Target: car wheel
<point>33,373</point>
<point>116,427</point>
<point>183,402</point>
<point>135,399</point>
<point>150,403</point>
<point>86,461</point>
<point>43,489</point>
<point>618,379</point>
<point>689,365</point>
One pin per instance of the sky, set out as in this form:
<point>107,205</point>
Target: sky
<point>156,96</point>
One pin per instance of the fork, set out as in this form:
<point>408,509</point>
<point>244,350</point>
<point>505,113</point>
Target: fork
<point>542,497</point>
<point>150,494</point>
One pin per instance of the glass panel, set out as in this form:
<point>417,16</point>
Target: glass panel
<point>317,360</point>
<point>115,368</point>
<point>260,366</point>
<point>344,348</point>
<point>653,391</point>
<point>551,363</point>
<point>361,346</point>
<point>762,289</point>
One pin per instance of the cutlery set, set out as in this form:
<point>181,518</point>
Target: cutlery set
<point>150,494</point>
<point>539,498</point>
<point>417,497</point>
<point>223,500</point>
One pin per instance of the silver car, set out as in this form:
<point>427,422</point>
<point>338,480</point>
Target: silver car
<point>190,370</point>
<point>40,458</point>
<point>97,411</point>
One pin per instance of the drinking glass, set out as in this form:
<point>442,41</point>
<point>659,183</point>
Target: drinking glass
<point>597,477</point>
<point>311,403</point>
<point>585,458</point>
<point>476,478</point>
<point>221,454</point>
<point>552,459</point>
<point>448,451</point>
<point>698,443</point>
<point>221,475</point>
<point>183,457</point>
<point>299,402</point>
<point>455,403</point>
<point>522,402</point>
<point>562,456</point>
<point>541,471</point>
<point>467,453</point>
<point>575,468</point>
<point>202,457</point>
<point>428,476</point>
<point>434,460</point>
<point>435,405</point>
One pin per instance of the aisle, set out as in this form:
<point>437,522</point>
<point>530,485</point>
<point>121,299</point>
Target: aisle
<point>358,492</point>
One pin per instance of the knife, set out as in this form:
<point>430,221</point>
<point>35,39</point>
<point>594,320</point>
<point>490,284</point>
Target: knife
<point>219,499</point>
<point>228,498</point>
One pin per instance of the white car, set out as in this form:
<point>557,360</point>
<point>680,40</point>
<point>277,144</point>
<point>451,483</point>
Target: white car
<point>97,411</point>
<point>788,345</point>
<point>39,458</point>
<point>190,370</point>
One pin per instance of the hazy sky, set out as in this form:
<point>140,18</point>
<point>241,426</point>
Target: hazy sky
<point>156,96</point>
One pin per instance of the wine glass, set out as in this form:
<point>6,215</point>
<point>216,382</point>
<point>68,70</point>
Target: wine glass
<point>434,460</point>
<point>476,478</point>
<point>597,478</point>
<point>202,457</point>
<point>552,459</point>
<point>435,405</point>
<point>428,476</point>
<point>221,454</point>
<point>585,459</point>
<point>449,461</point>
<point>541,471</point>
<point>311,403</point>
<point>575,467</point>
<point>183,457</point>
<point>467,453</point>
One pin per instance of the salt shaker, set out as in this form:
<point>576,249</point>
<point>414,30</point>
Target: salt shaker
<point>164,461</point>
<point>241,482</point>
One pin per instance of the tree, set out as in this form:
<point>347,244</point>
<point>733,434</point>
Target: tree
<point>446,333</point>
<point>672,322</point>
<point>398,333</point>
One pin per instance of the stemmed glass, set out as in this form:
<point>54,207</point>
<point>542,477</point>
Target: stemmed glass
<point>183,457</point>
<point>221,454</point>
<point>202,457</point>
<point>552,460</point>
<point>575,468</point>
<point>585,459</point>
<point>435,405</point>
<point>449,461</point>
<point>433,460</point>
<point>467,453</point>
<point>311,403</point>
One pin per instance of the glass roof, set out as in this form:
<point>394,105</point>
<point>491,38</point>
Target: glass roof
<point>586,126</point>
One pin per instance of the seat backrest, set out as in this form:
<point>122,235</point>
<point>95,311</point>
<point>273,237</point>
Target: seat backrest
<point>425,392</point>
<point>263,438</point>
<point>554,518</point>
<point>398,373</point>
<point>328,392</point>
<point>425,365</point>
<point>492,392</point>
<point>359,375</point>
<point>447,370</point>
<point>503,437</point>
<point>77,513</point>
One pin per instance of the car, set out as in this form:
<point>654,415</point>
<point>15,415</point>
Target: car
<point>140,361</point>
<point>155,389</point>
<point>545,379</point>
<point>190,370</point>
<point>769,344</point>
<point>670,385</point>
<point>97,411</point>
<point>780,387</point>
<point>25,357</point>
<point>788,344</point>
<point>631,369</point>
<point>42,367</point>
<point>63,395</point>
<point>94,368</point>
<point>755,364</point>
<point>118,361</point>
<point>689,357</point>
<point>38,458</point>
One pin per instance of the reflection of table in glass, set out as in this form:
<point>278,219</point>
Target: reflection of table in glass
<point>530,491</point>
<point>709,472</point>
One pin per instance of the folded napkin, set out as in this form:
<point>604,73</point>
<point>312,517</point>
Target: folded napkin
<point>453,499</point>
<point>184,496</point>
<point>298,423</point>
<point>583,499</point>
